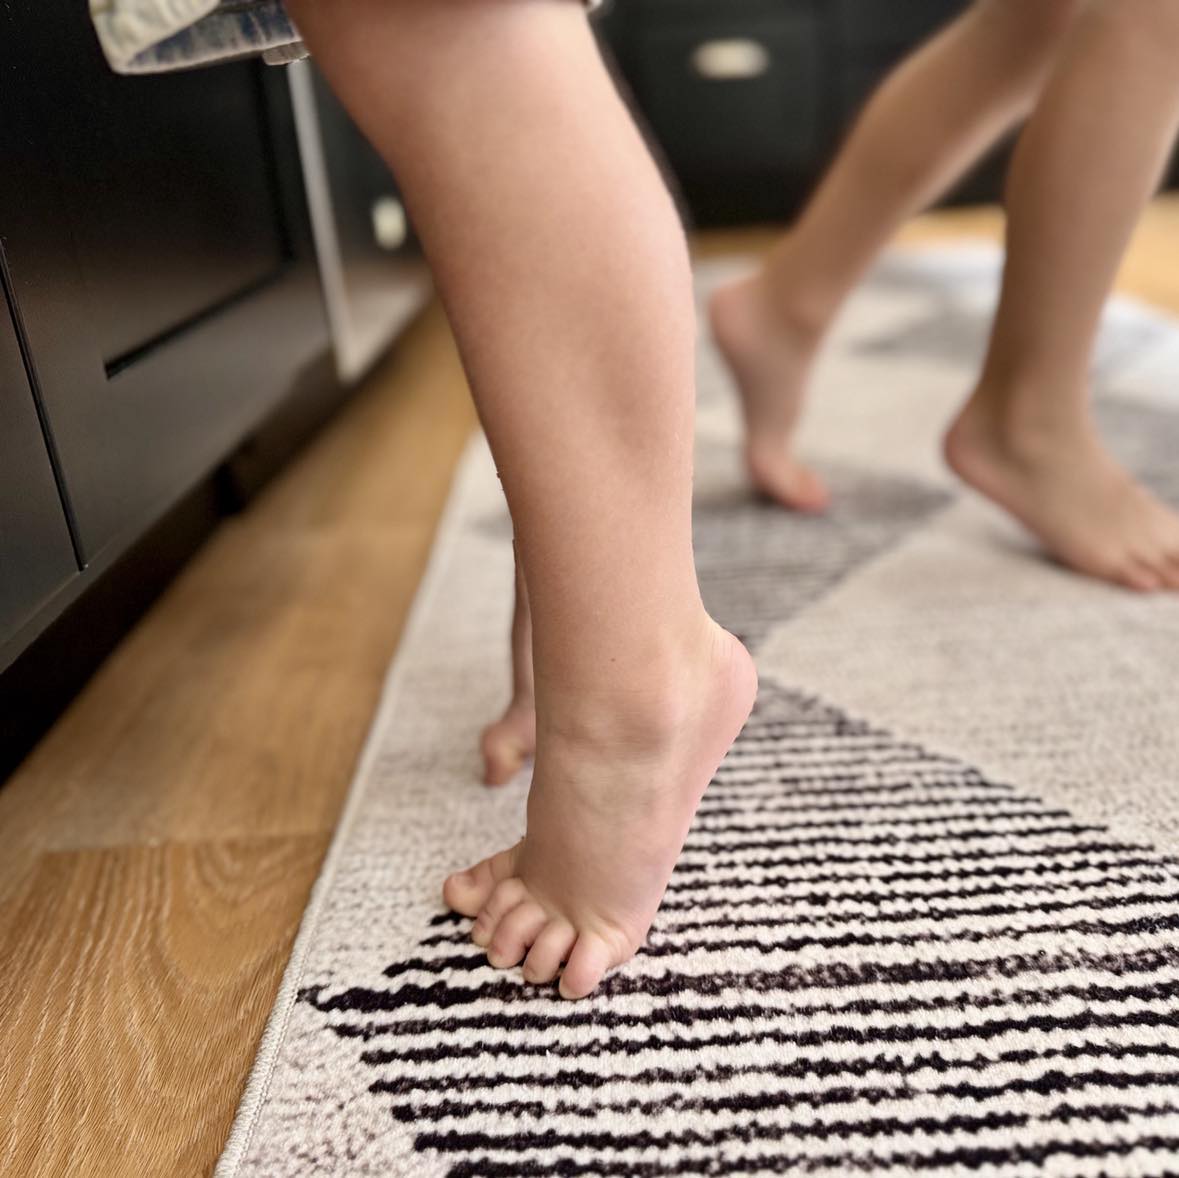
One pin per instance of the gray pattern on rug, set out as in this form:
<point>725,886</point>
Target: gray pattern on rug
<point>1146,439</point>
<point>759,565</point>
<point>955,320</point>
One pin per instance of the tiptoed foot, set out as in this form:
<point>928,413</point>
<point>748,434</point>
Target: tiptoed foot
<point>770,357</point>
<point>613,795</point>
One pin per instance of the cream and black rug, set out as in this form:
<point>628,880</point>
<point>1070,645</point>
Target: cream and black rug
<point>927,920</point>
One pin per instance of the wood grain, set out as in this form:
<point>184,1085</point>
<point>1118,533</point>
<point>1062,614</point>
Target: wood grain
<point>136,980</point>
<point>160,843</point>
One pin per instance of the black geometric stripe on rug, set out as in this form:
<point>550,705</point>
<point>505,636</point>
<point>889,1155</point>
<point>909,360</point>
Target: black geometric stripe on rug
<point>870,958</point>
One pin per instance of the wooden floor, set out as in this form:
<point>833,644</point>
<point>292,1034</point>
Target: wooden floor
<point>159,845</point>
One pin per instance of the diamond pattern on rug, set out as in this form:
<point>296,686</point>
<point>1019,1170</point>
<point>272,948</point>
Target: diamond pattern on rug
<point>1146,439</point>
<point>759,565</point>
<point>957,294</point>
<point>870,957</point>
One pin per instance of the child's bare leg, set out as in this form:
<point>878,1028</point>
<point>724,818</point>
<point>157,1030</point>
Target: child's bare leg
<point>1087,163</point>
<point>564,271</point>
<point>932,118</point>
<point>511,740</point>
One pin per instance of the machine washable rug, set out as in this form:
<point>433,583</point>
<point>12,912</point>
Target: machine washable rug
<point>927,919</point>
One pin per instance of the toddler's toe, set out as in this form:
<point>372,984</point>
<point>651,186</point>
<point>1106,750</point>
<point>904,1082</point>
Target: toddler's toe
<point>588,963</point>
<point>466,892</point>
<point>515,934</point>
<point>549,950</point>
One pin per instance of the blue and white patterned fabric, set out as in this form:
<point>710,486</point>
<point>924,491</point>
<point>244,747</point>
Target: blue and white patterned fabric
<point>150,36</point>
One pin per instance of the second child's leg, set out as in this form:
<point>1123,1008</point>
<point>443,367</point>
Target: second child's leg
<point>563,268</point>
<point>1085,167</point>
<point>933,118</point>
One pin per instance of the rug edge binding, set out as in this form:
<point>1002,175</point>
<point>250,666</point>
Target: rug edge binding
<point>253,1097</point>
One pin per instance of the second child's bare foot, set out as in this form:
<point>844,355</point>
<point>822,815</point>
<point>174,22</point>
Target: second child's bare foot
<point>770,358</point>
<point>614,790</point>
<point>1066,488</point>
<point>509,742</point>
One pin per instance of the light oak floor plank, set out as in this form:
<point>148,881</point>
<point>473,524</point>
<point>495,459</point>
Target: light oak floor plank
<point>160,843</point>
<point>135,980</point>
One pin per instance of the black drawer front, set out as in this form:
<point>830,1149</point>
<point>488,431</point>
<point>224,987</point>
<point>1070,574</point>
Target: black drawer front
<point>36,556</point>
<point>161,257</point>
<point>890,28</point>
<point>170,191</point>
<point>873,37</point>
<point>731,87</point>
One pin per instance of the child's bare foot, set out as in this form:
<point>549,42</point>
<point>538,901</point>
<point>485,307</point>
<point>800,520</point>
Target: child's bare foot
<point>1064,486</point>
<point>770,357</point>
<point>509,742</point>
<point>613,795</point>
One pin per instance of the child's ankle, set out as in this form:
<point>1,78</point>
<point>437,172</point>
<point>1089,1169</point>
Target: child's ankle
<point>1024,421</point>
<point>792,299</point>
<point>645,700</point>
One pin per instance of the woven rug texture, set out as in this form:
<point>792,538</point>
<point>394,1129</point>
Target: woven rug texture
<point>927,919</point>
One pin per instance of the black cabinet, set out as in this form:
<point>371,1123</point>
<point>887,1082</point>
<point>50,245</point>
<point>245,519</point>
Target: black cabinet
<point>161,261</point>
<point>36,556</point>
<point>734,95</point>
<point>170,195</point>
<point>872,37</point>
<point>170,342</point>
<point>748,99</point>
<point>731,87</point>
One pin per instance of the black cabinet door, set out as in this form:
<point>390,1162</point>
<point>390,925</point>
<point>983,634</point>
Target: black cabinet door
<point>872,37</point>
<point>734,94</point>
<point>161,257</point>
<point>36,556</point>
<point>734,87</point>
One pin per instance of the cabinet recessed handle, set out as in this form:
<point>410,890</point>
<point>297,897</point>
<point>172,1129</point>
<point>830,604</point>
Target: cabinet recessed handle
<point>729,58</point>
